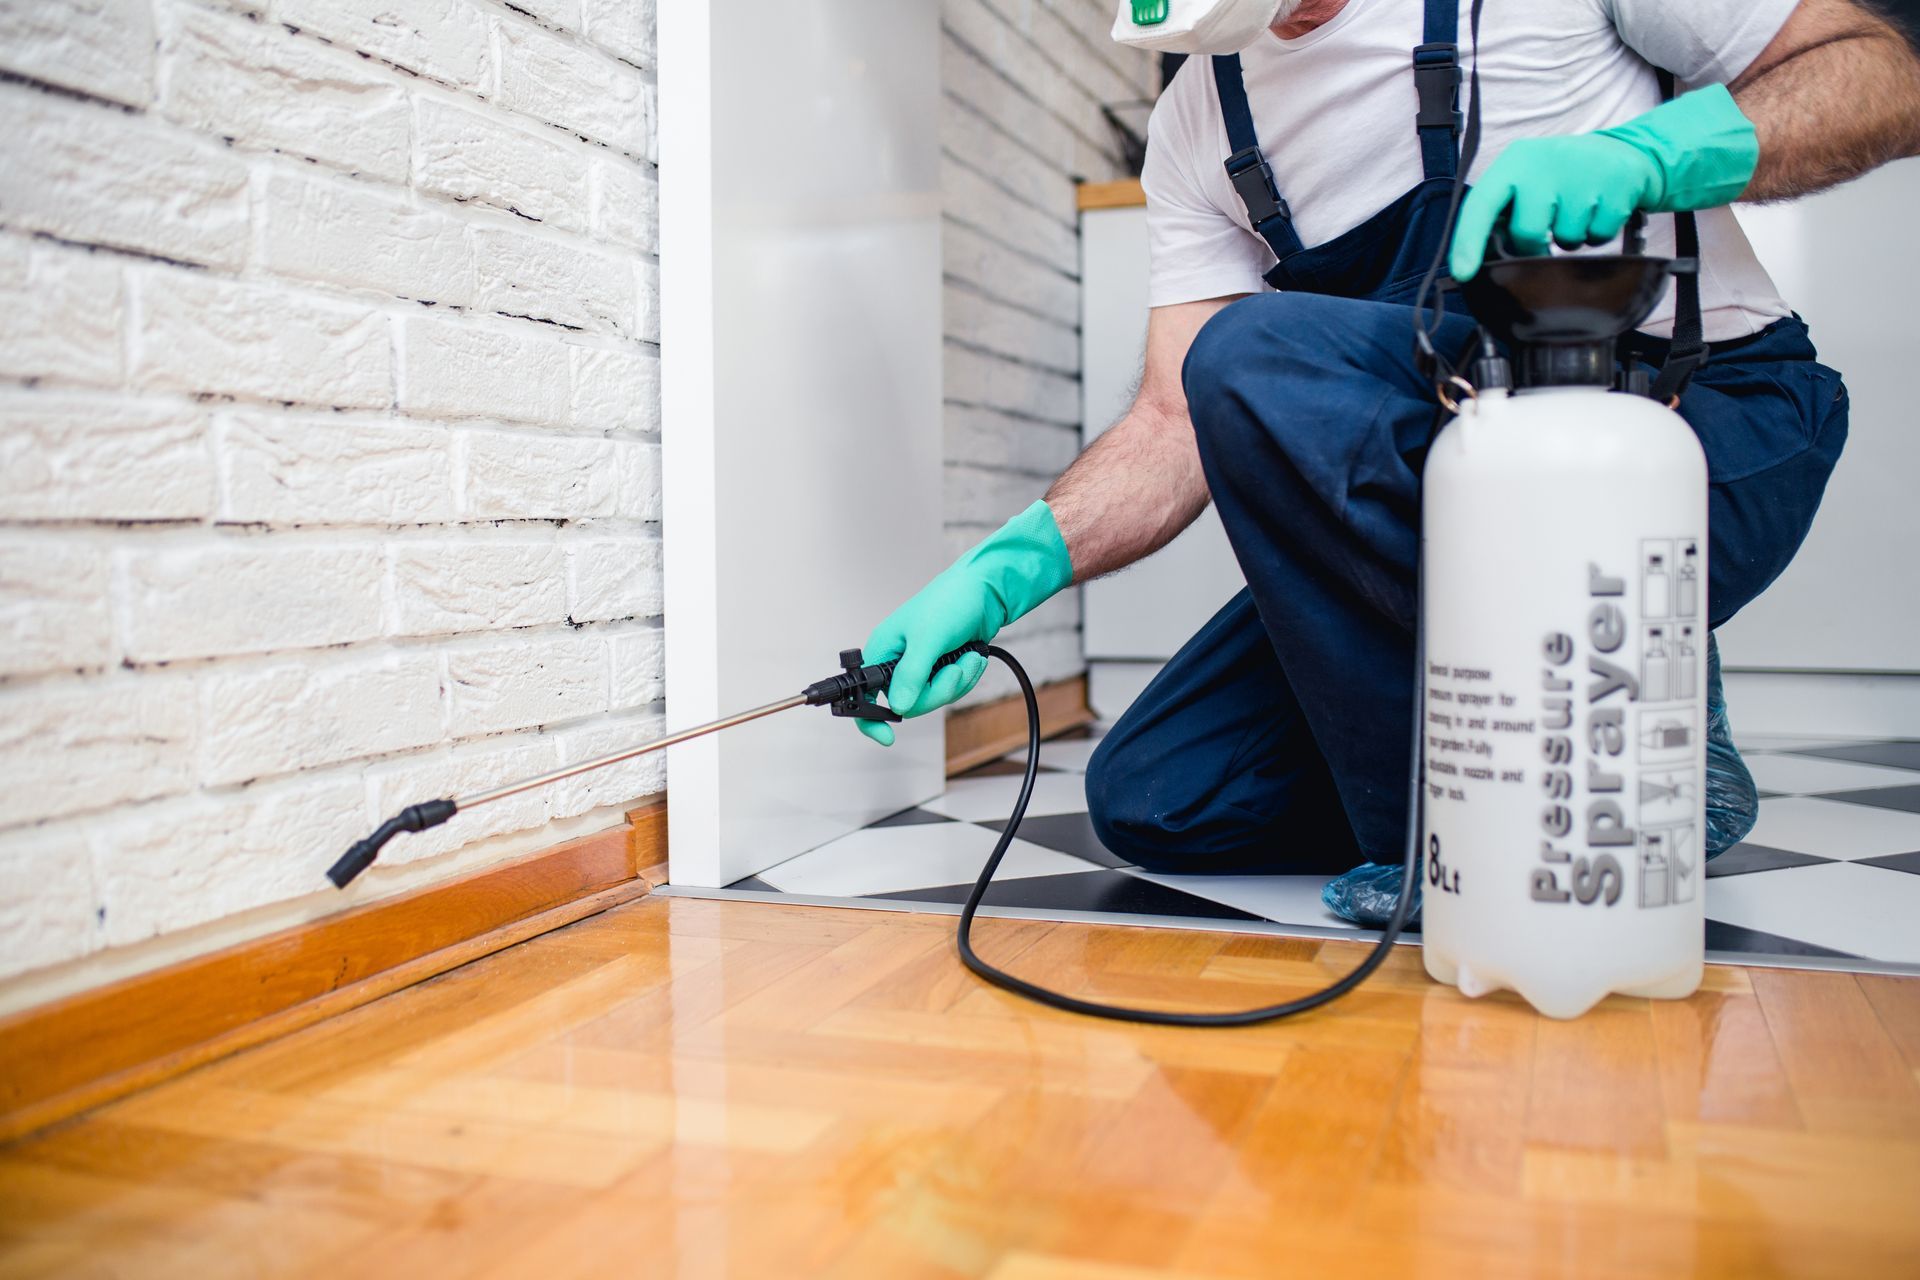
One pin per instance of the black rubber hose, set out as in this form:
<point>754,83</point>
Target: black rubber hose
<point>1158,1017</point>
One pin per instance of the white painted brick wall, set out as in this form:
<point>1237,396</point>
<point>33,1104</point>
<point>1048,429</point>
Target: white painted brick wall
<point>101,456</point>
<point>202,334</point>
<point>463,770</point>
<point>353,236</point>
<point>195,859</point>
<point>78,747</point>
<point>66,305</point>
<point>553,477</point>
<point>450,369</point>
<point>636,777</point>
<point>278,468</point>
<point>53,606</point>
<point>236,76</point>
<point>543,75</point>
<point>544,278</point>
<point>440,588</point>
<point>613,578</point>
<point>476,155</point>
<point>1023,83</point>
<point>246,595</point>
<point>443,40</point>
<point>520,683</point>
<point>329,446</point>
<point>98,47</point>
<point>259,722</point>
<point>95,174</point>
<point>48,906</point>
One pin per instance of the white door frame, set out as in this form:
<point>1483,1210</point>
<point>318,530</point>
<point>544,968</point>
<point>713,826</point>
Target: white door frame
<point>800,403</point>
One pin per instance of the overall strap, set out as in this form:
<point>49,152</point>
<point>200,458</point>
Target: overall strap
<point>1247,168</point>
<point>1688,350</point>
<point>1436,83</point>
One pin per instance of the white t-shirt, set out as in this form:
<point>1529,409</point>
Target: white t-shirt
<point>1334,111</point>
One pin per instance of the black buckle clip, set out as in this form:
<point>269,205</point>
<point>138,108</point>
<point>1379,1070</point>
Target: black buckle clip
<point>1436,80</point>
<point>1252,177</point>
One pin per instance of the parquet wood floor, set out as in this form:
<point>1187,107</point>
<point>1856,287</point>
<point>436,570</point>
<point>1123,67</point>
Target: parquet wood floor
<point>688,1088</point>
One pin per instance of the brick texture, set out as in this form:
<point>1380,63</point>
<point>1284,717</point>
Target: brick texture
<point>329,444</point>
<point>1023,84</point>
<point>330,431</point>
<point>98,47</point>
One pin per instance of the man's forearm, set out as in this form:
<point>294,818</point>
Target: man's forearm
<point>1130,493</point>
<point>1835,95</point>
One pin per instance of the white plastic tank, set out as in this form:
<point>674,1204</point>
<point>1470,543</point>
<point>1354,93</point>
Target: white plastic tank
<point>1565,561</point>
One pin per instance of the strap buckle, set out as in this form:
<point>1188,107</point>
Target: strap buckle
<point>1436,81</point>
<point>1252,177</point>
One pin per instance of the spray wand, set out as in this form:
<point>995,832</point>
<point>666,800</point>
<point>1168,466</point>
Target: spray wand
<point>850,692</point>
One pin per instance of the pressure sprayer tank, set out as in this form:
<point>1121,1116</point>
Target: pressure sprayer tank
<point>1565,556</point>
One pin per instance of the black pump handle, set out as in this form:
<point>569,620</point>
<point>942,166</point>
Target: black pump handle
<point>1500,246</point>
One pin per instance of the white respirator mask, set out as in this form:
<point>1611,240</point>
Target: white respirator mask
<point>1196,26</point>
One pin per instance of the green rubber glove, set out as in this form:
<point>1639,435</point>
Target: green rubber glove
<point>1695,152</point>
<point>1004,577</point>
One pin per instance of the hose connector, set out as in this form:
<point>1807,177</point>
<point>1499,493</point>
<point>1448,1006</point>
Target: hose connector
<point>850,693</point>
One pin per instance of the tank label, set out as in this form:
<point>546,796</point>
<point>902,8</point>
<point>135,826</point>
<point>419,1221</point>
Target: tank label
<point>1612,724</point>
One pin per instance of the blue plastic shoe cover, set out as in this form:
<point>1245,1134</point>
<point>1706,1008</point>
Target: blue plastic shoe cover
<point>1733,804</point>
<point>1368,894</point>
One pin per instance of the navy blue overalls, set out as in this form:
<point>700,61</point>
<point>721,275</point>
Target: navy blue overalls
<point>1276,740</point>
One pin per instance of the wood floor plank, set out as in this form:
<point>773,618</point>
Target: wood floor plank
<point>831,981</point>
<point>1460,1117</point>
<point>463,1235</point>
<point>1896,1002</point>
<point>239,1167</point>
<point>1718,1062</point>
<point>707,1088</point>
<point>1307,1157</point>
<point>1845,1069</point>
<point>155,1228</point>
<point>1607,1053</point>
<point>471,1144</point>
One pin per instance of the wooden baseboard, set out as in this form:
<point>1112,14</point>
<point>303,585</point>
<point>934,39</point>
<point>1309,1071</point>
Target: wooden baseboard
<point>61,1058</point>
<point>976,735</point>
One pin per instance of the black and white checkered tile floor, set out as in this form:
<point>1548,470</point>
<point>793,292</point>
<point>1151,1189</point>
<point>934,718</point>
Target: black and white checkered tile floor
<point>1829,877</point>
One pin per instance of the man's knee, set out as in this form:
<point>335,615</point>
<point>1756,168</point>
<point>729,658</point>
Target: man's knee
<point>1240,336</point>
<point>1250,348</point>
<point>1120,801</point>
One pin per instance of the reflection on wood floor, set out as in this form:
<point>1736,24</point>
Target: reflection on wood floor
<point>680,1087</point>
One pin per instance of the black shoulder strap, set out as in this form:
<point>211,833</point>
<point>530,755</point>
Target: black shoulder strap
<point>1247,168</point>
<point>1436,86</point>
<point>1688,350</point>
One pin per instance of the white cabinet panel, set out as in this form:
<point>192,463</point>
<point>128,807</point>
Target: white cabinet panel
<point>1149,610</point>
<point>1851,601</point>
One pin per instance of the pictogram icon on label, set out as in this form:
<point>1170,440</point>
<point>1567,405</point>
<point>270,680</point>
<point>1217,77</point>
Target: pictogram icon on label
<point>1666,735</point>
